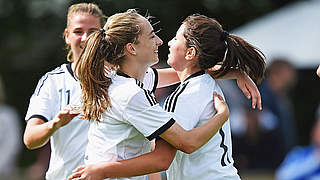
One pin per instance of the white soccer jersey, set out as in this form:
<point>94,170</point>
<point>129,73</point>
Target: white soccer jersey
<point>125,129</point>
<point>191,104</point>
<point>55,90</point>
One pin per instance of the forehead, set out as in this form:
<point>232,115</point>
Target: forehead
<point>84,20</point>
<point>146,27</point>
<point>181,30</point>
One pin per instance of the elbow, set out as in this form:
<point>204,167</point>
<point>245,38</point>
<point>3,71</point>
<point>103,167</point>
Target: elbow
<point>163,164</point>
<point>189,148</point>
<point>29,144</point>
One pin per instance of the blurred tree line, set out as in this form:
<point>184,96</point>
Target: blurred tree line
<point>32,43</point>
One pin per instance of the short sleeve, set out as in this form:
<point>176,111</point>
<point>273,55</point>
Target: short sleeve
<point>43,102</point>
<point>150,80</point>
<point>147,116</point>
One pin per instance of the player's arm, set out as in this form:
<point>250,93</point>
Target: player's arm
<point>191,140</point>
<point>155,161</point>
<point>161,158</point>
<point>157,175</point>
<point>38,131</point>
<point>318,71</point>
<point>245,84</point>
<point>168,76</point>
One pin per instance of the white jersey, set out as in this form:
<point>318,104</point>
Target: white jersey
<point>125,129</point>
<point>55,90</point>
<point>191,104</point>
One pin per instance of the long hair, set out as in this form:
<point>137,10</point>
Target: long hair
<point>103,53</point>
<point>215,46</point>
<point>83,8</point>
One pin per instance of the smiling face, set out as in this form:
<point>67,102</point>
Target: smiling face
<point>80,26</point>
<point>148,43</point>
<point>177,50</point>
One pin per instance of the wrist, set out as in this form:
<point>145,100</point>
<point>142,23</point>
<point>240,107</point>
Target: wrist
<point>52,125</point>
<point>224,114</point>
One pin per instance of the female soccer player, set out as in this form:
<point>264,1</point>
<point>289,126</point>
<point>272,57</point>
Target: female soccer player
<point>56,89</point>
<point>123,120</point>
<point>47,117</point>
<point>200,43</point>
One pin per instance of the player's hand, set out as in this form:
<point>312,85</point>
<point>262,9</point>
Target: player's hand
<point>87,172</point>
<point>220,105</point>
<point>63,117</point>
<point>249,89</point>
<point>318,71</point>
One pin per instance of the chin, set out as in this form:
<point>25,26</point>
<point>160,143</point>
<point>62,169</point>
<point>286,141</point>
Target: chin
<point>155,62</point>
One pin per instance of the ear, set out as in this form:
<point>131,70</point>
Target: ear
<point>191,53</point>
<point>131,49</point>
<point>66,36</point>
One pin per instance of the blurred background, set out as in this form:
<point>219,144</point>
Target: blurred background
<point>287,31</point>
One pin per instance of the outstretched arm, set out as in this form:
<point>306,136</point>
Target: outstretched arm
<point>38,132</point>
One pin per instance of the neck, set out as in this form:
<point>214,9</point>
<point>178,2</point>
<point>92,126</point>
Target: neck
<point>134,69</point>
<point>185,73</point>
<point>73,66</point>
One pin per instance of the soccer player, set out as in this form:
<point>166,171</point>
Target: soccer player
<point>47,116</point>
<point>126,117</point>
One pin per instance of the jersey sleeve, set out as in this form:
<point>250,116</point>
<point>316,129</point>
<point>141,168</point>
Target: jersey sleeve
<point>150,80</point>
<point>146,115</point>
<point>43,102</point>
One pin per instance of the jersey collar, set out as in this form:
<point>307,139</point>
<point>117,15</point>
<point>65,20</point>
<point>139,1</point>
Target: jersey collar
<point>199,73</point>
<point>120,73</point>
<point>70,71</point>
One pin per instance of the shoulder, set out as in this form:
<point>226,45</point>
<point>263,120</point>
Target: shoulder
<point>52,77</point>
<point>58,71</point>
<point>123,89</point>
<point>204,84</point>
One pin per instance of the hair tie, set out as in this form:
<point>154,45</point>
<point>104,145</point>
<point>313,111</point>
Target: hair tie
<point>102,31</point>
<point>224,36</point>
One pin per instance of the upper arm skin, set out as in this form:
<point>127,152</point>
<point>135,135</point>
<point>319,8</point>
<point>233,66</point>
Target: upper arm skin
<point>37,133</point>
<point>167,77</point>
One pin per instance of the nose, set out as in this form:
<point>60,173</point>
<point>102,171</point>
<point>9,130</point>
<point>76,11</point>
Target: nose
<point>159,41</point>
<point>84,37</point>
<point>169,43</point>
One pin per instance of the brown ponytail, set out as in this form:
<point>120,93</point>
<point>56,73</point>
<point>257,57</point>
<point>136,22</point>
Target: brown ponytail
<point>91,73</point>
<point>104,48</point>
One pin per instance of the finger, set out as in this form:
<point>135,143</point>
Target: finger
<point>259,101</point>
<point>245,91</point>
<point>216,95</point>
<point>253,91</point>
<point>78,169</point>
<point>75,175</point>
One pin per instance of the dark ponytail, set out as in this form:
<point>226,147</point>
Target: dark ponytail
<point>243,56</point>
<point>216,46</point>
